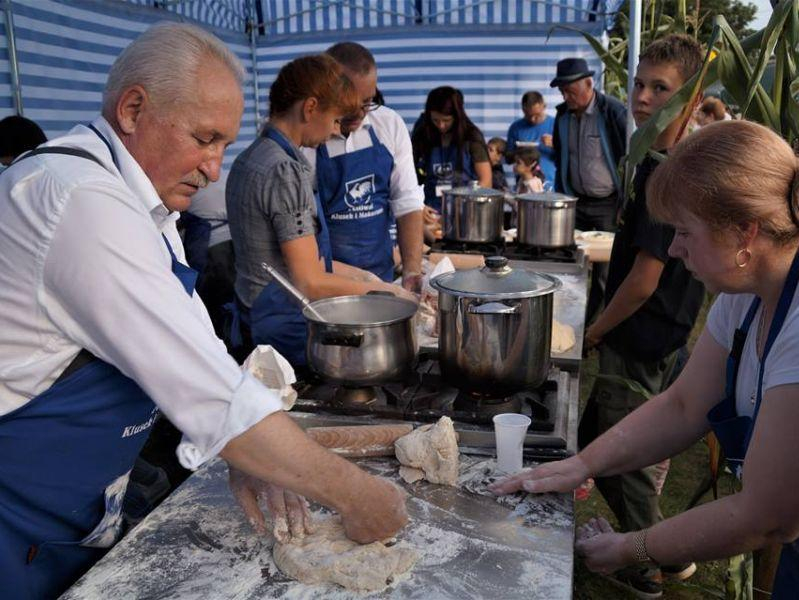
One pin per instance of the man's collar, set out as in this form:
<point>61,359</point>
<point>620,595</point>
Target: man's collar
<point>132,173</point>
<point>366,121</point>
<point>591,105</point>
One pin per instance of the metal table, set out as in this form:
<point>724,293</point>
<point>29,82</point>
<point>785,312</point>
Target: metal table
<point>197,544</point>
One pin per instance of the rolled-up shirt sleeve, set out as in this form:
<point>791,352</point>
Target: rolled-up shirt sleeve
<point>289,202</point>
<point>108,286</point>
<point>407,195</point>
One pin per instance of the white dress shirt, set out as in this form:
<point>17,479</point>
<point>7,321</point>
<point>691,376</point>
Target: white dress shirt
<point>405,193</point>
<point>83,265</point>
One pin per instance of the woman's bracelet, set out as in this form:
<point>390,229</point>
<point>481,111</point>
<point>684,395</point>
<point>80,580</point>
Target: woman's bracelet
<point>639,547</point>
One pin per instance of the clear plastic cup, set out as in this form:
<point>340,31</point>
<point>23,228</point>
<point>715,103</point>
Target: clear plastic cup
<point>510,429</point>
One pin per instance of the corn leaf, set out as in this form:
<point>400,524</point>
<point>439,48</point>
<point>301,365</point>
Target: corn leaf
<point>772,33</point>
<point>611,63</point>
<point>735,73</point>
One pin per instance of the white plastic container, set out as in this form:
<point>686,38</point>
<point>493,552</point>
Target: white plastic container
<point>510,429</point>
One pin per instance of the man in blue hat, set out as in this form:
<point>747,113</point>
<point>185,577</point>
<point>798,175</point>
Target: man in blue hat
<point>589,140</point>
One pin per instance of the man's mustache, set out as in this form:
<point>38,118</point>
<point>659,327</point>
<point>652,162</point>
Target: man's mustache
<point>199,180</point>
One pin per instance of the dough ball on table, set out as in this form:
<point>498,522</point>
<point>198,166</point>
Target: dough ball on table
<point>433,449</point>
<point>562,337</point>
<point>328,556</point>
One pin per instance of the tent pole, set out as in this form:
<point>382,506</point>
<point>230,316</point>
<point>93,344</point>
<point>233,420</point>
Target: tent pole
<point>16,88</point>
<point>632,61</point>
<point>253,25</point>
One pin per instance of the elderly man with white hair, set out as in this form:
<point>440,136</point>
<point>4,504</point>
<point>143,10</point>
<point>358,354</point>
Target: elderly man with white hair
<point>100,328</point>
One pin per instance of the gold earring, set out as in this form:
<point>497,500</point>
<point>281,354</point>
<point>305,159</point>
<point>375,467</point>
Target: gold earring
<point>742,263</point>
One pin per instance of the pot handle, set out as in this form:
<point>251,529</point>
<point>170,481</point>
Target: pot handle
<point>493,308</point>
<point>336,338</point>
<point>555,205</point>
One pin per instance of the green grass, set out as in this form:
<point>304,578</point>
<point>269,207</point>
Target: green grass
<point>686,474</point>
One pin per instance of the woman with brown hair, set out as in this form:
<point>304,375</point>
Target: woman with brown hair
<point>448,149</point>
<point>274,214</point>
<point>737,230</point>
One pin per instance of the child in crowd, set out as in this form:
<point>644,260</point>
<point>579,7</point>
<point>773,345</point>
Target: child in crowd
<point>651,304</point>
<point>710,111</point>
<point>526,165</point>
<point>496,156</point>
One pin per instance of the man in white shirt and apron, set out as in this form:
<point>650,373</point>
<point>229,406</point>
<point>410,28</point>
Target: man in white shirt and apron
<point>366,180</point>
<point>100,328</point>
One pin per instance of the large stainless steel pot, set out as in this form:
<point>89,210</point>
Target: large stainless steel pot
<point>473,214</point>
<point>363,340</point>
<point>546,219</point>
<point>496,327</point>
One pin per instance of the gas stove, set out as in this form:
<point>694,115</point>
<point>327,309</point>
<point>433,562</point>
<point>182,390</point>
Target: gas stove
<point>512,251</point>
<point>423,396</point>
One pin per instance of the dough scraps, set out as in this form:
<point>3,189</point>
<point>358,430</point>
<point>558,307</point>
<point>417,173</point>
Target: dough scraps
<point>562,337</point>
<point>433,449</point>
<point>327,555</point>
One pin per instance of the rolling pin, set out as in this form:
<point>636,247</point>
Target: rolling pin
<point>359,440</point>
<point>459,261</point>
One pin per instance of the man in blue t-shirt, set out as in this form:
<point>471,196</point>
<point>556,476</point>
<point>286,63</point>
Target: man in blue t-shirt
<point>536,127</point>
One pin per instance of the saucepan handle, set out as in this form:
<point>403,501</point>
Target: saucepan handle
<point>492,308</point>
<point>339,338</point>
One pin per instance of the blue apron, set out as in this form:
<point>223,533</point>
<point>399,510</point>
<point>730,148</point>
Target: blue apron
<point>441,169</point>
<point>734,431</point>
<point>354,191</point>
<point>196,236</point>
<point>274,318</point>
<point>65,458</point>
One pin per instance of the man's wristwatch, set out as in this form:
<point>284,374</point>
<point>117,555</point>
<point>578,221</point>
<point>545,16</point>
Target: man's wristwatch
<point>639,547</point>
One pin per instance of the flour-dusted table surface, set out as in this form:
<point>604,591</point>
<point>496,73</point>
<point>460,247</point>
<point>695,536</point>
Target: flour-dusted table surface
<point>197,545</point>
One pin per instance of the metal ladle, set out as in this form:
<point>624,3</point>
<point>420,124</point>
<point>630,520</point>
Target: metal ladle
<point>293,291</point>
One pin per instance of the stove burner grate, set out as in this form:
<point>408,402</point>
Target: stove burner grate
<point>565,254</point>
<point>485,248</point>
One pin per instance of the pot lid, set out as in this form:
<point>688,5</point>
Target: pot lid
<point>474,191</point>
<point>496,279</point>
<point>547,197</point>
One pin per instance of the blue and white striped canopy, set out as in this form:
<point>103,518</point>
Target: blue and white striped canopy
<point>492,50</point>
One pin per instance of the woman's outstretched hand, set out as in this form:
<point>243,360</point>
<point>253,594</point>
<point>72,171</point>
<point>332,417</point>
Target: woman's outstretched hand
<point>561,476</point>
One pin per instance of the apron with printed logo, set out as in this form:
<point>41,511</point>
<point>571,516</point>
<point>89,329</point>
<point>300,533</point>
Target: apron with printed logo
<point>65,459</point>
<point>443,175</point>
<point>354,191</point>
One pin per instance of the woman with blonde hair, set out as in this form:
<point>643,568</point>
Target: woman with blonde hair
<point>737,230</point>
<point>275,216</point>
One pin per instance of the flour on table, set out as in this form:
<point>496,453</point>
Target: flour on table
<point>433,449</point>
<point>327,555</point>
<point>563,337</point>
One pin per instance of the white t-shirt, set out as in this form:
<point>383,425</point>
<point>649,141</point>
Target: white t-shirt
<point>405,193</point>
<point>782,363</point>
<point>83,265</point>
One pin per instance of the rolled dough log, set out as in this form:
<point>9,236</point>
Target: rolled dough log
<point>433,449</point>
<point>327,555</point>
<point>562,337</point>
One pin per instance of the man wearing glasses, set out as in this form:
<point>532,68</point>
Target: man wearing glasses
<point>366,180</point>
